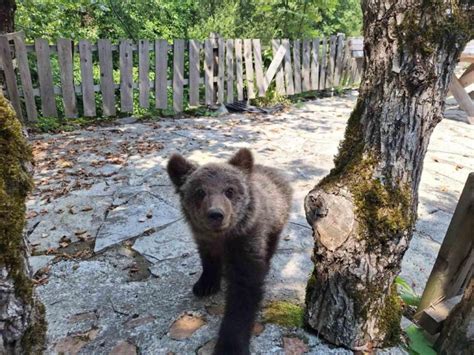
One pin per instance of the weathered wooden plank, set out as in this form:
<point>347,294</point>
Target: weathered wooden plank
<point>315,64</point>
<point>194,48</point>
<point>339,59</point>
<point>239,69</point>
<point>230,69</point>
<point>249,68</point>
<point>143,72</point>
<point>331,62</point>
<point>322,68</point>
<point>178,74</point>
<point>274,66</point>
<point>433,317</point>
<point>306,65</point>
<point>209,71</point>
<point>279,81</point>
<point>347,60</point>
<point>467,78</point>
<point>45,78</point>
<point>290,89</point>
<point>67,79</point>
<point>259,76</point>
<point>161,73</point>
<point>25,77</point>
<point>87,78</point>
<point>10,77</point>
<point>463,99</point>
<point>297,65</point>
<point>126,76</point>
<point>107,86</point>
<point>221,69</point>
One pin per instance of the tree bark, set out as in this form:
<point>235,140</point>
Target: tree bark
<point>457,335</point>
<point>363,212</point>
<point>7,16</point>
<point>22,325</point>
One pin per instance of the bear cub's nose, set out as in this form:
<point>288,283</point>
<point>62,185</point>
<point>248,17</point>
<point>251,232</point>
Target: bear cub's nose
<point>215,215</point>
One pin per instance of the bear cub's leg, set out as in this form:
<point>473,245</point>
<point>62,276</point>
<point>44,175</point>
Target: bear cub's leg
<point>210,281</point>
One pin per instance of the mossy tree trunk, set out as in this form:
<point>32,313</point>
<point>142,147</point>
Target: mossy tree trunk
<point>7,16</point>
<point>22,327</point>
<point>363,212</point>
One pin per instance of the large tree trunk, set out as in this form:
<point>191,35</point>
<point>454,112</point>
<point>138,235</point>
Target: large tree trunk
<point>7,16</point>
<point>22,325</point>
<point>457,335</point>
<point>363,212</point>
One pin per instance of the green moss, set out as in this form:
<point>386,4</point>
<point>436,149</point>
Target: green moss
<point>389,319</point>
<point>34,337</point>
<point>284,313</point>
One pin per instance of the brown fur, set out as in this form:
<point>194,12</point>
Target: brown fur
<point>236,211</point>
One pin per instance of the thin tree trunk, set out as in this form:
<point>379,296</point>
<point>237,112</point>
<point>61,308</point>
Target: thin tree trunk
<point>22,325</point>
<point>363,212</point>
<point>7,16</point>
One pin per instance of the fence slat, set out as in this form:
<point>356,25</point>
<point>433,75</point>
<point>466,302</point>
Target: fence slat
<point>339,59</point>
<point>10,78</point>
<point>331,62</point>
<point>315,64</point>
<point>249,68</point>
<point>126,76</point>
<point>322,68</point>
<point>290,90</point>
<point>280,85</point>
<point>274,65</point>
<point>238,69</point>
<point>221,70</point>
<point>209,71</point>
<point>297,65</point>
<point>143,70</point>
<point>67,79</point>
<point>306,65</point>
<point>87,79</point>
<point>25,77</point>
<point>259,76</point>
<point>161,73</point>
<point>194,48</point>
<point>107,86</point>
<point>230,70</point>
<point>178,74</point>
<point>45,78</point>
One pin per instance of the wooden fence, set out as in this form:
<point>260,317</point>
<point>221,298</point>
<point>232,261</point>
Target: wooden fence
<point>84,77</point>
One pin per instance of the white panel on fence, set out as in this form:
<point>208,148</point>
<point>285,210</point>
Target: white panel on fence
<point>274,65</point>
<point>280,85</point>
<point>239,69</point>
<point>331,62</point>
<point>297,65</point>
<point>249,68</point>
<point>220,70</point>
<point>161,73</point>
<point>230,69</point>
<point>45,78</point>
<point>25,76</point>
<point>290,89</point>
<point>315,64</point>
<point>194,47</point>
<point>143,72</point>
<point>178,74</point>
<point>126,76</point>
<point>67,79</point>
<point>257,53</point>
<point>339,59</point>
<point>107,86</point>
<point>322,68</point>
<point>87,79</point>
<point>209,71</point>
<point>10,78</point>
<point>306,65</point>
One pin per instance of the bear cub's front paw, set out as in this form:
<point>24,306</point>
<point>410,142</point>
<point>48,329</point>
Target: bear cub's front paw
<point>206,286</point>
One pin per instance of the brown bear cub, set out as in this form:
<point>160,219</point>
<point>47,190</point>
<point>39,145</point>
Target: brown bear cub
<point>236,211</point>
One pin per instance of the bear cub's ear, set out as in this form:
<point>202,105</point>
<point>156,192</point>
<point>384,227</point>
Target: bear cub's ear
<point>179,169</point>
<point>243,160</point>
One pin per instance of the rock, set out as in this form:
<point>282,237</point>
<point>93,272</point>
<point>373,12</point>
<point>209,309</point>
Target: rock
<point>39,262</point>
<point>124,348</point>
<point>185,326</point>
<point>207,348</point>
<point>258,328</point>
<point>127,120</point>
<point>294,346</point>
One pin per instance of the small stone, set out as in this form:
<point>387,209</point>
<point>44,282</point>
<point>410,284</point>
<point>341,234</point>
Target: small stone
<point>294,346</point>
<point>124,348</point>
<point>185,326</point>
<point>207,348</point>
<point>258,328</point>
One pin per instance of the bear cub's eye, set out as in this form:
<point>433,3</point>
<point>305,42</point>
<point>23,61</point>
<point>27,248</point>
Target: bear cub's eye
<point>200,193</point>
<point>229,192</point>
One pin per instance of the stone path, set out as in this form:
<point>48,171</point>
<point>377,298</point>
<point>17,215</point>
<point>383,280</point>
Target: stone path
<point>115,263</point>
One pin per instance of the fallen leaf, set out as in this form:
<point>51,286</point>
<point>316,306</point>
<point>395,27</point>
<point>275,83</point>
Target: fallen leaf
<point>185,326</point>
<point>294,346</point>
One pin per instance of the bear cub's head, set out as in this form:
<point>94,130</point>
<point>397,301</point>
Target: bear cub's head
<point>214,197</point>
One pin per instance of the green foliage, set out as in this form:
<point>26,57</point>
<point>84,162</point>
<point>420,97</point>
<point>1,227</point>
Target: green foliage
<point>284,313</point>
<point>418,344</point>
<point>406,293</point>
